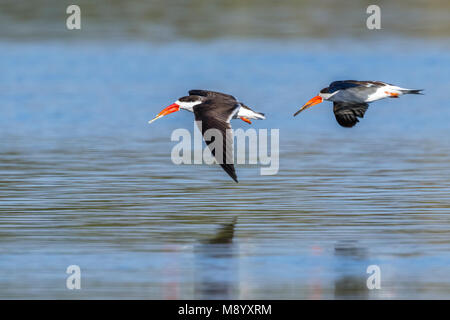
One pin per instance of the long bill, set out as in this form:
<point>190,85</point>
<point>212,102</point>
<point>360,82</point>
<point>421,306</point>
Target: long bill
<point>167,110</point>
<point>309,104</point>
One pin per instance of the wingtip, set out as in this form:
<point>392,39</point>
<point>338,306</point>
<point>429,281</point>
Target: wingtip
<point>414,91</point>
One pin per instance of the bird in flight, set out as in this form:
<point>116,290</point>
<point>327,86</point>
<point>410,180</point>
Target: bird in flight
<point>214,110</point>
<point>351,98</point>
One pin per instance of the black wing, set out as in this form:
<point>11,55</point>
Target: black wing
<point>210,94</point>
<point>216,115</point>
<point>347,114</point>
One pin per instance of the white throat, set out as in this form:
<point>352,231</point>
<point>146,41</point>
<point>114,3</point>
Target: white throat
<point>187,105</point>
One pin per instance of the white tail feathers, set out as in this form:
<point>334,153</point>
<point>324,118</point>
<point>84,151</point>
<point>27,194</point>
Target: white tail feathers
<point>249,114</point>
<point>259,115</point>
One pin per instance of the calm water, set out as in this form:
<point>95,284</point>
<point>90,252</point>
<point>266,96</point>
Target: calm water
<point>86,181</point>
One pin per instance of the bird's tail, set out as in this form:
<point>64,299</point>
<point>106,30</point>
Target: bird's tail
<point>249,113</point>
<point>412,91</point>
<point>259,115</point>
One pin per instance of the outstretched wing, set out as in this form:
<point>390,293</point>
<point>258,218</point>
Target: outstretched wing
<point>347,114</point>
<point>210,94</point>
<point>217,115</point>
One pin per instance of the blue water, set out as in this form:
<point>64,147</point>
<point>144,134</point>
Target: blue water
<point>86,181</point>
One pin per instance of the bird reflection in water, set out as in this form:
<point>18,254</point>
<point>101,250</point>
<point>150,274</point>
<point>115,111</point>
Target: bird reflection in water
<point>216,265</point>
<point>350,280</point>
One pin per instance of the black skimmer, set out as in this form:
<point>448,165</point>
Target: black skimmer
<point>215,110</point>
<point>351,98</point>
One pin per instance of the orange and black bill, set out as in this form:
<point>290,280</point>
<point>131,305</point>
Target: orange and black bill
<point>309,104</point>
<point>170,109</point>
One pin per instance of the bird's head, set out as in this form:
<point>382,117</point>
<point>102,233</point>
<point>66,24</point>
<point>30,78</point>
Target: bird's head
<point>186,103</point>
<point>324,94</point>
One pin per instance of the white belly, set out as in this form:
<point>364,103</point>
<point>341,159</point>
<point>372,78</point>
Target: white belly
<point>385,92</point>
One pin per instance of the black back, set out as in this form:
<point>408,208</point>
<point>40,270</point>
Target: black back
<point>211,94</point>
<point>342,85</point>
<point>346,84</point>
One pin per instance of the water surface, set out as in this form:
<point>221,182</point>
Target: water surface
<point>86,181</point>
